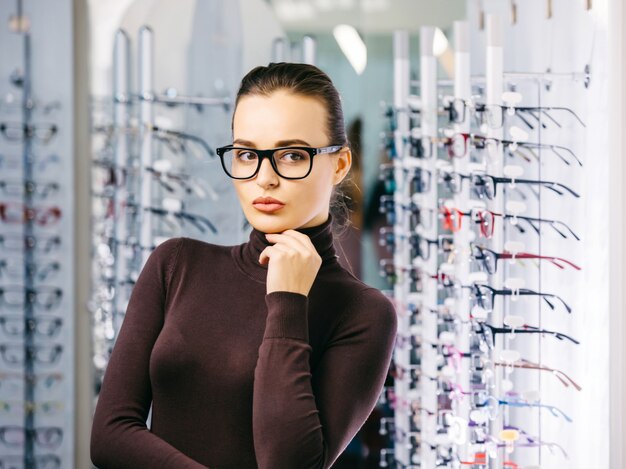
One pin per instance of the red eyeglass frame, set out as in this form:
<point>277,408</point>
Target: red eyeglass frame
<point>41,215</point>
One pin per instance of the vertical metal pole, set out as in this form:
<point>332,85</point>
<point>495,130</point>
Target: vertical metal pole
<point>295,51</point>
<point>121,125</point>
<point>494,89</point>
<point>428,81</point>
<point>29,314</point>
<point>279,50</point>
<point>401,86</point>
<point>146,119</point>
<point>463,90</point>
<point>309,49</point>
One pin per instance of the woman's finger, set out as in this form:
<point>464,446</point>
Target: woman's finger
<point>267,252</point>
<point>291,241</point>
<point>305,240</point>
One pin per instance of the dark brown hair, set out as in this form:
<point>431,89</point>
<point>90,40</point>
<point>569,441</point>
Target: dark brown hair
<point>306,80</point>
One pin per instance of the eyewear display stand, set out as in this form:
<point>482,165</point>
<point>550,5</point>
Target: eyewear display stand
<point>37,378</point>
<point>401,195</point>
<point>478,302</point>
<point>148,178</point>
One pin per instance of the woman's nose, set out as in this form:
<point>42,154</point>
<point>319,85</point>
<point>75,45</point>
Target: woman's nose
<point>266,174</point>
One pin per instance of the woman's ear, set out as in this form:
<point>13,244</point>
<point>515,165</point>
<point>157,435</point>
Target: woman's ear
<point>343,162</point>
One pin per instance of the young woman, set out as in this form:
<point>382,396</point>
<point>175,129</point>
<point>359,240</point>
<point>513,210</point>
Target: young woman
<point>266,354</point>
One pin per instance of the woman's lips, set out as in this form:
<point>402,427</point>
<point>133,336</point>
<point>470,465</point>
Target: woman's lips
<point>268,208</point>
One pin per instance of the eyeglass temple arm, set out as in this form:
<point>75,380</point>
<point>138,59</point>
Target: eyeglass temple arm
<point>548,184</point>
<point>185,136</point>
<point>558,373</point>
<point>552,223</point>
<point>550,108</point>
<point>526,329</point>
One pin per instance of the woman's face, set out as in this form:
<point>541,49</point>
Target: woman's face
<point>287,119</point>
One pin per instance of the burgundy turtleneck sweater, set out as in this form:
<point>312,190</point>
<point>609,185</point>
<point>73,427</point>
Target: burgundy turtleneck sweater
<point>239,378</point>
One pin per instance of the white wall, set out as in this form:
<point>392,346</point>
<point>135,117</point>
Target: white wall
<point>617,241</point>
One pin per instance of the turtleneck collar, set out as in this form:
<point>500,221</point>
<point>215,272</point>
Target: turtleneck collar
<point>246,255</point>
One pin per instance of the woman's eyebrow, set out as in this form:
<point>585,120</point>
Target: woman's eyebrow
<point>245,143</point>
<point>280,143</point>
<point>294,141</point>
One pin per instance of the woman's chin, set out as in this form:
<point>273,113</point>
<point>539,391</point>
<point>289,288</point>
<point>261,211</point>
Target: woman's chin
<point>268,222</point>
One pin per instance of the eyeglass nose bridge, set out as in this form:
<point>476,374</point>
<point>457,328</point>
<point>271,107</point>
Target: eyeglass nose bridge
<point>263,154</point>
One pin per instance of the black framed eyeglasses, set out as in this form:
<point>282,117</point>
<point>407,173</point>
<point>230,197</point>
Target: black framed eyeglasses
<point>489,332</point>
<point>493,115</point>
<point>17,132</point>
<point>484,295</point>
<point>288,162</point>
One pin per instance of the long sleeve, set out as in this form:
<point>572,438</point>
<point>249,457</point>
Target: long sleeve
<point>305,421</point>
<point>120,438</point>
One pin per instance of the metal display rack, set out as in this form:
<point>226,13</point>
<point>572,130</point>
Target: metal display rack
<point>481,208</point>
<point>36,262</point>
<point>150,183</point>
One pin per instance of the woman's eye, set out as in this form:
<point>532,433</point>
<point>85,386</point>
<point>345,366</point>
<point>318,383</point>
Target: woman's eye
<point>292,157</point>
<point>246,155</point>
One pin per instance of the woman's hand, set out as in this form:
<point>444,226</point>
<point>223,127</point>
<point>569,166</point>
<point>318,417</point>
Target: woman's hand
<point>293,262</point>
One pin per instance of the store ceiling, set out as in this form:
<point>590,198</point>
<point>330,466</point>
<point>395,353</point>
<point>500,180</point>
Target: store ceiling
<point>369,16</point>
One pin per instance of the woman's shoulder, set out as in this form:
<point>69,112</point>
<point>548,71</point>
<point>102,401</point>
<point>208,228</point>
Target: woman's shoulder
<point>362,302</point>
<point>191,246</point>
<point>356,287</point>
<point>182,249</point>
